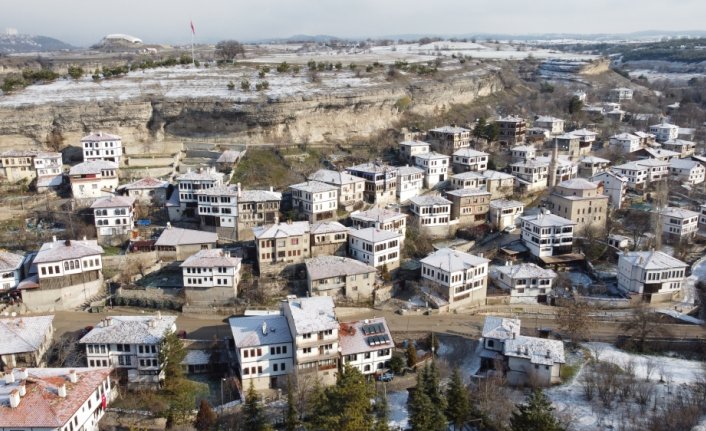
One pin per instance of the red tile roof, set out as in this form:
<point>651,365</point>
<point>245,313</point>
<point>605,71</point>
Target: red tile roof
<point>41,406</point>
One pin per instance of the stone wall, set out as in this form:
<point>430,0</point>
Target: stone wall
<point>65,298</point>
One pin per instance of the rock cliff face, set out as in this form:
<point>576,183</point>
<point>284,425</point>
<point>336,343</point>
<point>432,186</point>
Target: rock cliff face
<point>150,122</point>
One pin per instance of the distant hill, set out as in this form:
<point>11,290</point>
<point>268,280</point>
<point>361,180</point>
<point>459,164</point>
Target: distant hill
<point>13,44</point>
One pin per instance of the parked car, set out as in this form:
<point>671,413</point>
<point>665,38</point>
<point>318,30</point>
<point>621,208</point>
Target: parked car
<point>510,229</point>
<point>386,376</point>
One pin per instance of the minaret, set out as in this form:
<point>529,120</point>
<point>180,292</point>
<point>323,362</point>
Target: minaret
<point>552,165</point>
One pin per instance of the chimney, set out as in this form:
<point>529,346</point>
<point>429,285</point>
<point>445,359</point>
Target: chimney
<point>272,189</point>
<point>159,315</point>
<point>14,399</point>
<point>53,238</point>
<point>240,190</point>
<point>276,220</point>
<point>169,225</point>
<point>152,323</point>
<point>109,321</point>
<point>22,388</point>
<point>264,328</point>
<point>549,353</point>
<point>84,237</point>
<point>9,377</point>
<point>61,390</point>
<point>67,243</point>
<point>22,374</point>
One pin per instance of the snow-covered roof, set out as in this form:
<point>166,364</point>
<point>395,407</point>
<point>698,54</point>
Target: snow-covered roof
<point>467,192</point>
<point>547,220</point>
<point>409,170</point>
<point>175,236</point>
<point>282,230</point>
<point>532,163</point>
<point>314,187</point>
<point>523,148</point>
<point>583,132</point>
<point>414,143</point>
<point>578,184</point>
<point>652,260</point>
<point>625,137</point>
<point>206,175</point>
<point>660,153</point>
<point>113,202</point>
<point>212,258</point>
<point>261,330</point>
<point>652,163</point>
<point>449,260</point>
<point>130,330</point>
<point>547,119</point>
<point>146,184</point>
<point>10,261</point>
<point>323,227</point>
<point>93,167</point>
<point>469,175</point>
<point>683,164</point>
<point>259,196</point>
<point>617,176</point>
<point>593,160</point>
<point>505,203</point>
<point>450,129</point>
<point>426,200</point>
<point>313,314</point>
<point>323,267</point>
<point>500,328</point>
<point>23,334</point>
<point>100,137</point>
<point>526,270</point>
<point>644,135</point>
<point>510,119</point>
<point>57,251</point>
<point>432,155</point>
<point>364,336</point>
<point>469,152</point>
<point>377,214</point>
<point>334,177</point>
<point>630,166</point>
<point>374,235</point>
<point>372,168</point>
<point>680,213</point>
<point>196,357</point>
<point>664,125</point>
<point>496,175</point>
<point>540,351</point>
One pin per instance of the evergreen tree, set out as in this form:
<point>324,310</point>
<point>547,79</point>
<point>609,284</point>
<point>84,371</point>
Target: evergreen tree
<point>459,407</point>
<point>479,130</point>
<point>492,131</point>
<point>318,406</point>
<point>349,401</point>
<point>536,415</point>
<point>575,105</point>
<point>430,386</point>
<point>291,419</point>
<point>382,413</point>
<point>411,354</point>
<point>422,412</point>
<point>254,418</point>
<point>205,418</point>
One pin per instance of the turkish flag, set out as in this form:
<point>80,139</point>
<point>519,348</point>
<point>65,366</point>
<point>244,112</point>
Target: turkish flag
<point>193,29</point>
<point>104,401</point>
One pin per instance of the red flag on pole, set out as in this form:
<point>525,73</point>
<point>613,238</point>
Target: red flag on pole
<point>104,401</point>
<point>193,30</point>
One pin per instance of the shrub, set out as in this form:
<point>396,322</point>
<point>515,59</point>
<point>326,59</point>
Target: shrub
<point>231,85</point>
<point>283,67</point>
<point>75,72</point>
<point>245,85</point>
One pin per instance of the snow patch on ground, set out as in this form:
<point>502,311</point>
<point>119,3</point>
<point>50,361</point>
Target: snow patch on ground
<point>568,399</point>
<point>397,402</point>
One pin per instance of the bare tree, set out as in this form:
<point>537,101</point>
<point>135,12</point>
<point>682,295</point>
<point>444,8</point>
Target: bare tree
<point>574,319</point>
<point>641,325</point>
<point>229,49</point>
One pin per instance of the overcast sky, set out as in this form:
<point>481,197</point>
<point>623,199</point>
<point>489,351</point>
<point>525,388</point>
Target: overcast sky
<point>84,22</point>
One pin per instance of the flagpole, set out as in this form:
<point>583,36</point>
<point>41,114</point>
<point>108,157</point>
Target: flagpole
<point>193,59</point>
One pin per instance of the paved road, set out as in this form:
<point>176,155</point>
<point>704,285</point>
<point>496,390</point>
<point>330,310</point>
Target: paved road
<point>206,327</point>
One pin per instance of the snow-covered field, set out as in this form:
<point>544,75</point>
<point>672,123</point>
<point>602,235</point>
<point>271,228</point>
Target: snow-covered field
<point>184,82</point>
<point>569,399</point>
